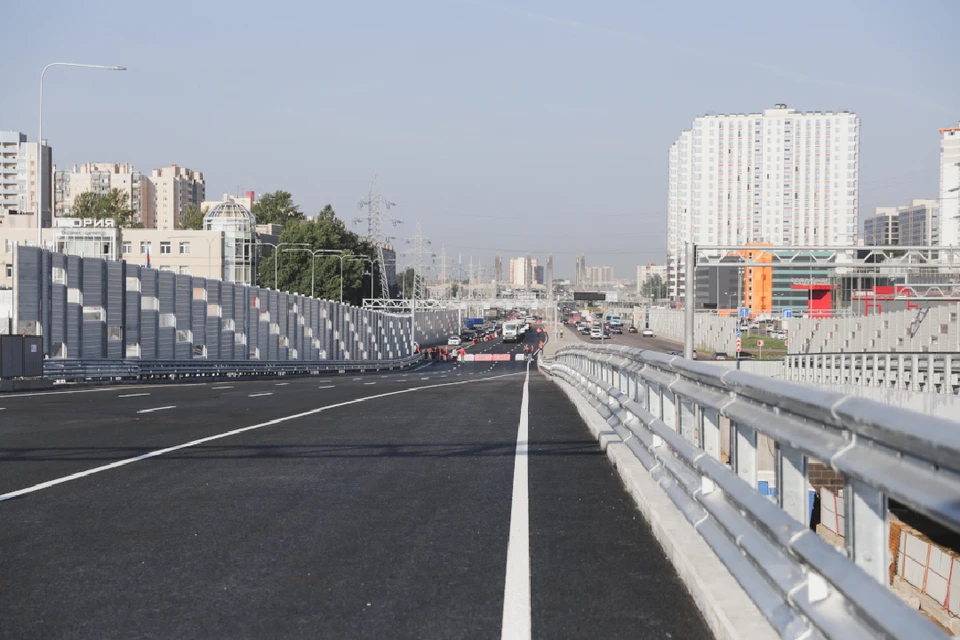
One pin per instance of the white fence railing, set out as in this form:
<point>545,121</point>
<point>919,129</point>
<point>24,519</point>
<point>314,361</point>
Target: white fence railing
<point>668,411</point>
<point>929,372</point>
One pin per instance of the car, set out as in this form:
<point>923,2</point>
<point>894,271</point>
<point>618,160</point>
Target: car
<point>596,334</point>
<point>647,333</point>
<point>454,341</point>
<point>616,330</point>
<point>632,330</point>
<point>720,355</point>
<point>585,330</point>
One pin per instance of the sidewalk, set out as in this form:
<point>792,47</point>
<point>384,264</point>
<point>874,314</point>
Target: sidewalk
<point>554,343</point>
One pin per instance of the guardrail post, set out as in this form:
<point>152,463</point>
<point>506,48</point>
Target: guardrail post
<point>655,400</point>
<point>929,386</point>
<point>688,420</point>
<point>792,483</point>
<point>866,529</point>
<point>710,432</point>
<point>745,453</point>
<point>840,375</point>
<point>914,373</point>
<point>669,402</point>
<point>887,375</point>
<point>947,385</point>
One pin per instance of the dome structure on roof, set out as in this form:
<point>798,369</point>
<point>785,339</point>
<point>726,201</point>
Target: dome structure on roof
<point>230,211</point>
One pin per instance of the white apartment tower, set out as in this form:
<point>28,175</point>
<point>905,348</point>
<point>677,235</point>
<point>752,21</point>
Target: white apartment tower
<point>781,177</point>
<point>20,169</point>
<point>950,186</point>
<point>174,189</point>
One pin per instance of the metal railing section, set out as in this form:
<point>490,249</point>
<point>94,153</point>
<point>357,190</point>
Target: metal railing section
<point>669,411</point>
<point>936,372</point>
<point>100,370</point>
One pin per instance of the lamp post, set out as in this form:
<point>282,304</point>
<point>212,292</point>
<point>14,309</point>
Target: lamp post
<point>40,185</point>
<point>276,255</point>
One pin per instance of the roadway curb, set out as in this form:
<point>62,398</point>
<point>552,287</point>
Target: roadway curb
<point>727,609</point>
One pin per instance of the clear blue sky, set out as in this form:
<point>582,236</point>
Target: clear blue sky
<point>531,125</point>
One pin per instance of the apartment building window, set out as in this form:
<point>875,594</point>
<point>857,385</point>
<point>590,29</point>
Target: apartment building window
<point>164,248</point>
<point>8,270</point>
<point>144,247</point>
<point>184,248</point>
<point>125,247</point>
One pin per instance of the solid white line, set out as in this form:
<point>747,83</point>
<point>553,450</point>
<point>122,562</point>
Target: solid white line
<point>516,591</point>
<point>173,406</point>
<point>257,395</point>
<point>219,388</point>
<point>133,395</point>
<point>226,434</point>
<point>329,386</point>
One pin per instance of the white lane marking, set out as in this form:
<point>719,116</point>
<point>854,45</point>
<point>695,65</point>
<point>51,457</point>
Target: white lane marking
<point>133,395</point>
<point>257,395</point>
<point>369,383</point>
<point>329,386</point>
<point>226,434</point>
<point>173,406</point>
<point>282,384</point>
<point>3,408</point>
<point>355,379</point>
<point>322,381</point>
<point>516,591</point>
<point>219,388</point>
<point>426,378</point>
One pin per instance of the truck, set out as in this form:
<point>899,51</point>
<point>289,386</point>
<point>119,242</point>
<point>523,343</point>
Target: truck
<point>514,330</point>
<point>473,323</point>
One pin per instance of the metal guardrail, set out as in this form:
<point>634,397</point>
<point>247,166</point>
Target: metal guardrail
<point>132,370</point>
<point>937,372</point>
<point>668,411</point>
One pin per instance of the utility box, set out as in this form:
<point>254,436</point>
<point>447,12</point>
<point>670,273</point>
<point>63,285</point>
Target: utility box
<point>32,357</point>
<point>11,356</point>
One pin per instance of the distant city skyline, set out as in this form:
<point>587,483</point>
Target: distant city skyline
<point>541,129</point>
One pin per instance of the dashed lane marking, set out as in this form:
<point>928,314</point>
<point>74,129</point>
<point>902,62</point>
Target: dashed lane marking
<point>133,395</point>
<point>329,386</point>
<point>173,406</point>
<point>219,388</point>
<point>159,452</point>
<point>257,395</point>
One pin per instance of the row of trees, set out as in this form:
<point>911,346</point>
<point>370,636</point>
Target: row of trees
<point>654,287</point>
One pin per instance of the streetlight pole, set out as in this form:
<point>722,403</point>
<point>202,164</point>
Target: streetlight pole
<point>40,185</point>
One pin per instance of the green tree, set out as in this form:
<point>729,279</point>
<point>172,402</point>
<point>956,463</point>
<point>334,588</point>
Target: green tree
<point>654,287</point>
<point>405,281</point>
<point>327,232</point>
<point>113,205</point>
<point>192,217</point>
<point>277,208</point>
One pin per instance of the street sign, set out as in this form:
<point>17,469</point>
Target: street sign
<point>744,312</point>
<point>788,313</point>
<point>759,343</point>
<point>738,335</point>
<point>738,345</point>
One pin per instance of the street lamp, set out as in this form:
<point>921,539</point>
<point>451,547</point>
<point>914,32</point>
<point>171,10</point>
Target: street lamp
<point>276,255</point>
<point>335,253</point>
<point>40,186</point>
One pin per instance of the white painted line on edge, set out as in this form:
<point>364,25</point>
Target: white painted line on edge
<point>329,386</point>
<point>516,592</point>
<point>133,395</point>
<point>159,452</point>
<point>257,395</point>
<point>173,406</point>
<point>219,388</point>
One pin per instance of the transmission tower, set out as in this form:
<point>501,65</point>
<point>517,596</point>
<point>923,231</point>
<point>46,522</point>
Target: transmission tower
<point>417,253</point>
<point>375,219</point>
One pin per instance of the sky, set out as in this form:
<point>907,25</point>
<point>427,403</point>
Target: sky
<point>507,127</point>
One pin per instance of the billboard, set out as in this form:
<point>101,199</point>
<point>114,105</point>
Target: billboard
<point>589,295</point>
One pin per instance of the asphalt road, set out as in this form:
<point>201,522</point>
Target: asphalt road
<point>400,505</point>
<point>635,340</point>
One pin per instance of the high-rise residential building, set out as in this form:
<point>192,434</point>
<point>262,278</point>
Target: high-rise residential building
<point>498,269</point>
<point>100,178</point>
<point>174,189</point>
<point>522,271</point>
<point>880,229</point>
<point>781,177</point>
<point>539,274</point>
<point>549,277</point>
<point>20,170</point>
<point>919,224</point>
<point>580,275</point>
<point>598,276</point>
<point>949,185</point>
